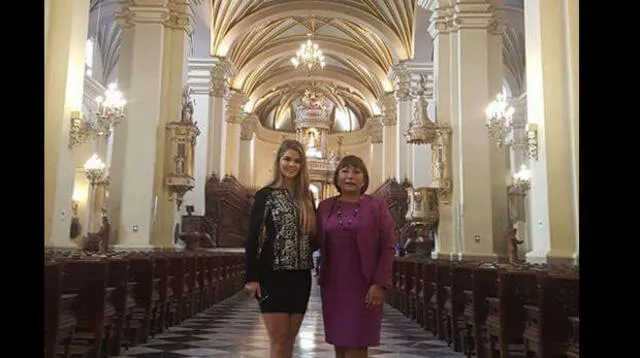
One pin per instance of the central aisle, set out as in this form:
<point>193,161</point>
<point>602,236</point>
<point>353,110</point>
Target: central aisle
<point>233,329</point>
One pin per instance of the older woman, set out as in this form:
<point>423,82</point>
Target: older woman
<point>356,237</point>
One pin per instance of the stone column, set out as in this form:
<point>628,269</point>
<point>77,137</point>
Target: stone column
<point>551,30</point>
<point>403,114</point>
<point>199,72</point>
<point>66,25</point>
<point>499,159</point>
<point>388,106</point>
<point>440,27</point>
<point>468,76</point>
<point>140,201</point>
<point>420,154</point>
<point>247,161</point>
<point>233,117</point>
<point>375,128</point>
<point>221,70</point>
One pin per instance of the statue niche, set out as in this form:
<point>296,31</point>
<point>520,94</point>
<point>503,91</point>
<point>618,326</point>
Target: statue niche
<point>181,140</point>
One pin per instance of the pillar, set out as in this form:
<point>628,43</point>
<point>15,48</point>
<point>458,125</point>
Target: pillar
<point>66,24</point>
<point>440,28</point>
<point>551,32</point>
<point>465,79</point>
<point>199,82</point>
<point>140,208</point>
<point>375,127</point>
<point>247,160</point>
<point>403,114</point>
<point>231,128</point>
<point>388,106</point>
<point>221,70</point>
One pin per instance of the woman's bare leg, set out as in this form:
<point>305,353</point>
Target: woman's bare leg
<point>360,352</point>
<point>340,352</point>
<point>295,320</point>
<point>277,325</point>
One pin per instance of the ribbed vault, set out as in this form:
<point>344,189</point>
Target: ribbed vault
<point>360,39</point>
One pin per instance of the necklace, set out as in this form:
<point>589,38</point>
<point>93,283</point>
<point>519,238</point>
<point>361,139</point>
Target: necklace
<point>350,219</point>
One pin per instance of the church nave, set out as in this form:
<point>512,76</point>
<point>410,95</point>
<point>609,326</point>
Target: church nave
<point>233,328</point>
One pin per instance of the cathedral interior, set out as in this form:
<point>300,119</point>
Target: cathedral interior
<point>163,118</point>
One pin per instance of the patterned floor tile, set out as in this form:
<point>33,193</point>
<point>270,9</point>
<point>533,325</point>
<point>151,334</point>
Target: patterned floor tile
<point>233,328</point>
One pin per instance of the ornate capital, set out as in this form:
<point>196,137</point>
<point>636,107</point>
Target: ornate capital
<point>235,106</point>
<point>441,22</point>
<point>388,107</point>
<point>248,126</point>
<point>221,71</point>
<point>399,74</point>
<point>374,127</point>
<point>473,16</point>
<point>142,12</point>
<point>181,14</point>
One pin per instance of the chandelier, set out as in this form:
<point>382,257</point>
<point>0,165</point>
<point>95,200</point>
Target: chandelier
<point>309,57</point>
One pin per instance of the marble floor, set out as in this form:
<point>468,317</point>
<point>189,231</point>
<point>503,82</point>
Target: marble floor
<point>233,328</point>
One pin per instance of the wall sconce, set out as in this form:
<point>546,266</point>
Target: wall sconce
<point>501,130</point>
<point>521,181</point>
<point>532,141</point>
<point>108,113</point>
<point>96,172</point>
<point>94,169</point>
<point>499,121</point>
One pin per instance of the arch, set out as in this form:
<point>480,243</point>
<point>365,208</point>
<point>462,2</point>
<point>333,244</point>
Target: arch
<point>303,8</point>
<point>336,77</point>
<point>328,47</point>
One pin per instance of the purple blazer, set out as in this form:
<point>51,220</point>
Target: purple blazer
<point>375,238</point>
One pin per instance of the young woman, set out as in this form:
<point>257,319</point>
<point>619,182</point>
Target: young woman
<point>278,270</point>
<point>356,234</point>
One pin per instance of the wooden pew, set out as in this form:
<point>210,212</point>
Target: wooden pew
<point>59,316</point>
<point>548,328</point>
<point>88,277</point>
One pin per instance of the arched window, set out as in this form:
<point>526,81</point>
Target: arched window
<point>88,57</point>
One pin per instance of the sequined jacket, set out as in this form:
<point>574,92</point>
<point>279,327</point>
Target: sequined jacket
<point>285,248</point>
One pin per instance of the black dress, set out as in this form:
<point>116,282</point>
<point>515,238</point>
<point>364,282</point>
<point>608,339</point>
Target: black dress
<point>284,267</point>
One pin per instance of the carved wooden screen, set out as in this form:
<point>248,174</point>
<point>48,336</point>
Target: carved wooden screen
<point>227,203</point>
<point>395,194</point>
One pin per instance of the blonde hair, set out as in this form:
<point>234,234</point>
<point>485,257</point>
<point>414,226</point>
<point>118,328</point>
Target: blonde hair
<point>301,192</point>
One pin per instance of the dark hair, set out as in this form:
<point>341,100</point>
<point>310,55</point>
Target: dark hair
<point>354,161</point>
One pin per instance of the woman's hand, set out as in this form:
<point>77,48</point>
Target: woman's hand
<point>253,289</point>
<point>375,296</point>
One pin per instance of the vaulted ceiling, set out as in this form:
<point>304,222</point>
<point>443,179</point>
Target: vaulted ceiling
<point>360,40</point>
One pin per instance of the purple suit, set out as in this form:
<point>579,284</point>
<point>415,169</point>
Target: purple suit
<point>355,256</point>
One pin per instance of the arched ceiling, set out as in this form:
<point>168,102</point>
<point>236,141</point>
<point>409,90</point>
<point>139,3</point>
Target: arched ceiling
<point>360,39</point>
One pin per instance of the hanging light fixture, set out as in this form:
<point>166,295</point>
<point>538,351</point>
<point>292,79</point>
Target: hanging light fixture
<point>309,57</point>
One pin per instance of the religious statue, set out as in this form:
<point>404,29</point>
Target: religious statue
<point>313,144</point>
<point>513,242</point>
<point>187,106</point>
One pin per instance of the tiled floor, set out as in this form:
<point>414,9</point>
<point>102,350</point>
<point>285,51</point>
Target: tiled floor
<point>233,329</point>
